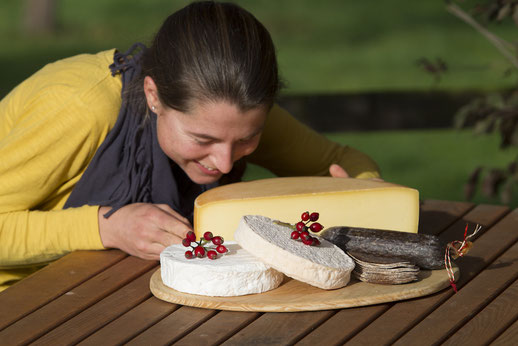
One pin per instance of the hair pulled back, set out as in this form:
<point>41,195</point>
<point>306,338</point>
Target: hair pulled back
<point>211,51</point>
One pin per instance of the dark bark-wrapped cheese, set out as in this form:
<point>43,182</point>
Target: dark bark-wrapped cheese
<point>423,250</point>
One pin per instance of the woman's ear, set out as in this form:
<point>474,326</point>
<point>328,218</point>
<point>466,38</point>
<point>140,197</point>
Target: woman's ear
<point>151,92</point>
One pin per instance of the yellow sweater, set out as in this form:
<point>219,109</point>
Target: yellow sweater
<point>52,124</point>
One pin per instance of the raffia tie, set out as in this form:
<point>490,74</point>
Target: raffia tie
<point>459,249</point>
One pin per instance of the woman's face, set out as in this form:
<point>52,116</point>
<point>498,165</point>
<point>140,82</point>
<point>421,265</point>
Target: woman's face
<point>207,141</point>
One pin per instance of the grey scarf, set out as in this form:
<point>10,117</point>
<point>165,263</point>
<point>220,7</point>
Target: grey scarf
<point>130,166</point>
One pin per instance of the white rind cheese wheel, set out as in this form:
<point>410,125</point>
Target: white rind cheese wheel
<point>325,266</point>
<point>341,202</point>
<point>233,274</point>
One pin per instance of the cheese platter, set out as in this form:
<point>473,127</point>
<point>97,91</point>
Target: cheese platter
<point>315,277</point>
<point>293,295</point>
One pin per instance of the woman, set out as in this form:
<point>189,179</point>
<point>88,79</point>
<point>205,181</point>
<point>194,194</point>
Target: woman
<point>110,150</point>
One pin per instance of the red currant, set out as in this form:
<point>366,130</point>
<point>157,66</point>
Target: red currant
<point>186,242</point>
<point>212,254</point>
<point>308,240</point>
<point>199,251</point>
<point>304,235</point>
<point>191,236</point>
<point>316,227</point>
<point>221,249</point>
<point>302,228</point>
<point>207,235</point>
<point>188,254</point>
<point>217,240</point>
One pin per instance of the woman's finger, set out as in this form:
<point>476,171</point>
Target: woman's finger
<point>169,223</point>
<point>165,238</point>
<point>337,171</point>
<point>173,212</point>
<point>153,252</point>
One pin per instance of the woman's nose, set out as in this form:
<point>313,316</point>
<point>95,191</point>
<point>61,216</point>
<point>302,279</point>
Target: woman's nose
<point>224,158</point>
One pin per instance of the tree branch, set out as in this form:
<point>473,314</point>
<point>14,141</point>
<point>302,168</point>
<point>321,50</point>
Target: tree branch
<point>501,45</point>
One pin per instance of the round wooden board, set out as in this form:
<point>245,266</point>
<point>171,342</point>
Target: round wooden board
<point>293,295</point>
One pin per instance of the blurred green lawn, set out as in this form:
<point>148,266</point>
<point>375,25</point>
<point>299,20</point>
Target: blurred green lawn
<point>323,46</point>
<point>332,46</point>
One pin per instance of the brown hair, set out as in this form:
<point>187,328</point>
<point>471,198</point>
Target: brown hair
<point>211,51</point>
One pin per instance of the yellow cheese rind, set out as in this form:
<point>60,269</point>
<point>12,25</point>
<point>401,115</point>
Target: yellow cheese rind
<point>340,202</point>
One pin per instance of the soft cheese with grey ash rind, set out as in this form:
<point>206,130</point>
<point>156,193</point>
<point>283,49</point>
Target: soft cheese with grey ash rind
<point>341,202</point>
<point>324,266</point>
<point>233,274</point>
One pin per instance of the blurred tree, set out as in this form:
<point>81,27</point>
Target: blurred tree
<point>496,112</point>
<point>39,17</point>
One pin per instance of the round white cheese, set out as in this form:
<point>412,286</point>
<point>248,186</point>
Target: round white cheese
<point>233,274</point>
<point>325,266</point>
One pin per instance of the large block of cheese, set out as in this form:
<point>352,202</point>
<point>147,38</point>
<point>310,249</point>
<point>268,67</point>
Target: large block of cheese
<point>340,202</point>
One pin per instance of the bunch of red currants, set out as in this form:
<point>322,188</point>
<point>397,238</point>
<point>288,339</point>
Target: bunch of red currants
<point>201,248</point>
<point>303,227</point>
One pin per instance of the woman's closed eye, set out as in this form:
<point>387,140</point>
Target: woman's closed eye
<point>250,138</point>
<point>203,139</point>
<point>200,141</point>
<point>246,140</point>
<point>208,141</point>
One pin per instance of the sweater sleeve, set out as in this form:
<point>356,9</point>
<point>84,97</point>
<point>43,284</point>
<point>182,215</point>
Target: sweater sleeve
<point>53,134</point>
<point>290,148</point>
<point>34,237</point>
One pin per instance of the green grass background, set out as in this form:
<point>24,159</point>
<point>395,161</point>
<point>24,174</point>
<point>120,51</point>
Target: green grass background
<point>331,46</point>
<point>323,46</point>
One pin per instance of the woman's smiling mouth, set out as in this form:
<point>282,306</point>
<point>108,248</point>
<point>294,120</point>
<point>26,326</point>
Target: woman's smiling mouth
<point>208,170</point>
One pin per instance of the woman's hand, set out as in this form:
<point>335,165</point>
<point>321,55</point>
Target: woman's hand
<point>337,171</point>
<point>142,229</point>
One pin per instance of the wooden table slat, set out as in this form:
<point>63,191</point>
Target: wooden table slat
<point>490,322</point>
<point>212,333</point>
<point>345,323</point>
<point>402,316</point>
<point>132,323</point>
<point>279,328</point>
<point>99,314</point>
<point>509,337</point>
<point>173,327</point>
<point>52,281</point>
<point>435,216</point>
<point>475,295</point>
<point>73,302</point>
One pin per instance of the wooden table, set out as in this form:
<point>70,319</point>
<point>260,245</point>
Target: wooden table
<point>103,298</point>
